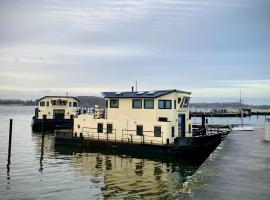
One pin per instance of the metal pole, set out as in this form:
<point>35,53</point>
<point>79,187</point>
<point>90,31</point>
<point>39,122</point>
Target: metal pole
<point>42,141</point>
<point>10,140</point>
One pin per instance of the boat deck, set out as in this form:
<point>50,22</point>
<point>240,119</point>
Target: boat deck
<point>238,169</point>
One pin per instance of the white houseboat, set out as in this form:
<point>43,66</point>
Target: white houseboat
<point>150,119</point>
<point>55,112</point>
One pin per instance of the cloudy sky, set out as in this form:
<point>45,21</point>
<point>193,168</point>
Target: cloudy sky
<point>213,48</point>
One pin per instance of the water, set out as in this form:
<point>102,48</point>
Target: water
<point>66,173</point>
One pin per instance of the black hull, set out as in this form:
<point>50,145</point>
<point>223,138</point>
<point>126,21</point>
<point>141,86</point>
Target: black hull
<point>199,146</point>
<point>51,124</point>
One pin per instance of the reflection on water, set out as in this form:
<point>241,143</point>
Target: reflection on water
<point>129,176</point>
<point>57,172</point>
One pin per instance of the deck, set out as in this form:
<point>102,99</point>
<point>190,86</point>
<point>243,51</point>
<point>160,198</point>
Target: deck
<point>238,169</point>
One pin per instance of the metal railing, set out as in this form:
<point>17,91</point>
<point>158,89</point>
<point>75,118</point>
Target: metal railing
<point>95,134</point>
<point>144,138</point>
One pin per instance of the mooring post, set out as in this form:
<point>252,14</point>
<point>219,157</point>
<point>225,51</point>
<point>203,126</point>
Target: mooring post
<point>42,141</point>
<point>10,140</point>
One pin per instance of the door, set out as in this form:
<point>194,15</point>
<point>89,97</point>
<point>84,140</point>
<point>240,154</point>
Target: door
<point>59,113</point>
<point>182,125</point>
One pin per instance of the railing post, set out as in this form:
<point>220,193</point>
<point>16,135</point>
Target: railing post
<point>143,138</point>
<point>115,136</point>
<point>162,137</point>
<point>131,138</point>
<point>107,136</point>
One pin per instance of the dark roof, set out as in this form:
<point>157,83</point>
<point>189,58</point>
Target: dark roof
<point>59,97</point>
<point>142,94</point>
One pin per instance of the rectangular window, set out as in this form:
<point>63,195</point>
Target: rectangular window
<point>75,104</point>
<point>109,128</point>
<point>100,128</point>
<point>114,103</point>
<point>136,103</point>
<point>172,131</point>
<point>179,100</point>
<point>106,103</point>
<point>157,131</point>
<point>139,130</point>
<point>70,104</point>
<point>42,103</point>
<point>48,103</point>
<point>149,104</point>
<point>163,119</point>
<point>174,104</point>
<point>164,104</point>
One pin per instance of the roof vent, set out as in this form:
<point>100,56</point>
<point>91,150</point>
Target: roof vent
<point>118,93</point>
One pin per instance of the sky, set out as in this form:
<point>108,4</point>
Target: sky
<point>213,48</point>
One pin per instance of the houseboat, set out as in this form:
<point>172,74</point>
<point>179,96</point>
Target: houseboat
<point>149,120</point>
<point>55,112</point>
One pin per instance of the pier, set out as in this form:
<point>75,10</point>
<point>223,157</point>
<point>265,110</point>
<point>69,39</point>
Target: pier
<point>238,169</point>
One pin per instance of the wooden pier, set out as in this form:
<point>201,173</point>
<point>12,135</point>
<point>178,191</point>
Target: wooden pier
<point>238,169</point>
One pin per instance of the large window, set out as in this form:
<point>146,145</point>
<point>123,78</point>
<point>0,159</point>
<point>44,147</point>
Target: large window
<point>157,131</point>
<point>75,104</point>
<point>149,104</point>
<point>139,130</point>
<point>42,103</point>
<point>136,103</point>
<point>164,104</point>
<point>114,103</point>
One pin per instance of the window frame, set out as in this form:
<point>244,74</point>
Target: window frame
<point>75,104</point>
<point>117,100</point>
<point>157,131</point>
<point>133,104</point>
<point>111,128</point>
<point>164,104</point>
<point>144,103</point>
<point>100,127</point>
<point>138,133</point>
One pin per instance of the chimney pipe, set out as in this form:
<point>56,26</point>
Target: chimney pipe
<point>132,89</point>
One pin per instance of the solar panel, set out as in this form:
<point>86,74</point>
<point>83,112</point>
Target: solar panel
<point>140,92</point>
<point>151,92</point>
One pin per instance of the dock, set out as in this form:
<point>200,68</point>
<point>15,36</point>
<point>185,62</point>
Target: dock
<point>238,169</point>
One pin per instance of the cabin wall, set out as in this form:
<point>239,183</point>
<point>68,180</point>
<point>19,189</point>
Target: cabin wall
<point>122,129</point>
<point>49,110</point>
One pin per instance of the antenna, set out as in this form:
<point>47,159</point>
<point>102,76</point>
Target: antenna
<point>67,94</point>
<point>136,86</point>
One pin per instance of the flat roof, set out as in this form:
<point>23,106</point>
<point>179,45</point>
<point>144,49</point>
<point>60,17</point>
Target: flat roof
<point>141,94</point>
<point>67,97</point>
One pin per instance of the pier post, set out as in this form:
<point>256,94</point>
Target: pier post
<point>42,141</point>
<point>10,140</point>
<point>267,130</point>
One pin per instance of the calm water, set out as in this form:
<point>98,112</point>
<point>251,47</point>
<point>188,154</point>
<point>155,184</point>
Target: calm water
<point>72,173</point>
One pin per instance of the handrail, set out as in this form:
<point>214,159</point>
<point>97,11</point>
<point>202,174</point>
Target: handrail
<point>143,136</point>
<point>98,133</point>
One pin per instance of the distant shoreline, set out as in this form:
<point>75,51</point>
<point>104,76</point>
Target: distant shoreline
<point>91,101</point>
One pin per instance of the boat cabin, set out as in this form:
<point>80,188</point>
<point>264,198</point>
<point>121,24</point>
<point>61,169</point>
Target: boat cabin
<point>154,117</point>
<point>57,107</point>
